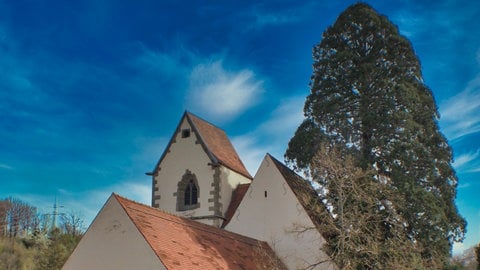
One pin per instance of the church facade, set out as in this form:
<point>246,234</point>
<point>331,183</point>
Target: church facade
<point>197,172</point>
<point>208,212</point>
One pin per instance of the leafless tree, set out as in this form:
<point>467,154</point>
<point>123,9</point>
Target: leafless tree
<point>17,217</point>
<point>363,228</point>
<point>72,223</point>
<point>4,207</point>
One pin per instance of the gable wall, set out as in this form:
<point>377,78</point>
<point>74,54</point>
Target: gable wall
<point>216,183</point>
<point>277,219</point>
<point>184,154</point>
<point>229,181</point>
<point>113,242</point>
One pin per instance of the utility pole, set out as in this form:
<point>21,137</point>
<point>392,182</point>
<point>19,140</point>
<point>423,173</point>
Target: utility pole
<point>55,213</point>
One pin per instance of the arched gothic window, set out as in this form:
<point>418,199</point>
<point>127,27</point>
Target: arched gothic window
<point>191,192</point>
<point>187,192</point>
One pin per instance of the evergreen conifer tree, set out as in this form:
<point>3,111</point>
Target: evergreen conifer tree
<point>369,99</point>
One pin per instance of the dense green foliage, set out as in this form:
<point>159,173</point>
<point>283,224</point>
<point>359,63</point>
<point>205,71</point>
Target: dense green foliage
<point>368,99</point>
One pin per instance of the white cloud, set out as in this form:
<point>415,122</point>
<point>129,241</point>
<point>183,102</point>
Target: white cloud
<point>166,65</point>
<point>466,185</point>
<point>264,16</point>
<point>136,191</point>
<point>464,159</point>
<point>5,167</point>
<point>409,25</point>
<point>212,90</point>
<point>250,151</point>
<point>264,19</point>
<point>475,169</point>
<point>286,117</point>
<point>460,115</point>
<point>272,136</point>
<point>220,94</point>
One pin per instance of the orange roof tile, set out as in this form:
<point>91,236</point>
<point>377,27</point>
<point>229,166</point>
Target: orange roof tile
<point>217,143</point>
<point>237,196</point>
<point>181,243</point>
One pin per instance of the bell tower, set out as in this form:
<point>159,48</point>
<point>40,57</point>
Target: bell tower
<point>198,172</point>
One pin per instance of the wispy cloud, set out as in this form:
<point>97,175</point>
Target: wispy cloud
<point>460,114</point>
<point>221,94</point>
<point>164,65</point>
<point>88,203</point>
<point>464,159</point>
<point>250,151</point>
<point>409,25</point>
<point>208,87</point>
<point>5,167</point>
<point>465,185</point>
<point>420,17</point>
<point>265,19</point>
<point>286,117</point>
<point>272,136</point>
<point>274,15</point>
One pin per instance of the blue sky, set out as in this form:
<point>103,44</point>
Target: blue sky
<point>91,91</point>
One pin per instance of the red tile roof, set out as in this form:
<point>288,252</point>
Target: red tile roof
<point>217,143</point>
<point>181,243</point>
<point>237,196</point>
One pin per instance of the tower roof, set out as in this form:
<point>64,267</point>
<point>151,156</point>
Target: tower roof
<point>215,143</point>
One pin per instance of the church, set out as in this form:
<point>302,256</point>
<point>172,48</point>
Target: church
<point>208,212</point>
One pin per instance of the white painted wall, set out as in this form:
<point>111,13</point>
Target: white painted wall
<point>113,242</point>
<point>229,181</point>
<point>276,217</point>
<point>184,154</point>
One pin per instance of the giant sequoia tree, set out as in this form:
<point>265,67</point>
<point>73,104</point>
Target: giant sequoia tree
<point>369,99</point>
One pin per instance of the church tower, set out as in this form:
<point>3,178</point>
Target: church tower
<point>198,172</point>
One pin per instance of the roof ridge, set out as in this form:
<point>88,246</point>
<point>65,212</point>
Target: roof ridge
<point>202,119</point>
<point>226,155</point>
<point>186,221</point>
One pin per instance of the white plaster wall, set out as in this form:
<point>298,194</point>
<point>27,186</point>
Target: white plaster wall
<point>113,242</point>
<point>184,154</point>
<point>229,181</point>
<point>277,218</point>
